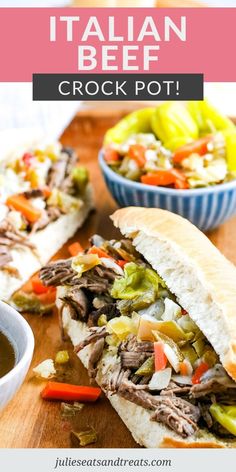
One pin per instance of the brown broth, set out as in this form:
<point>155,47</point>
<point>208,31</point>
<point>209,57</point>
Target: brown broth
<point>7,355</point>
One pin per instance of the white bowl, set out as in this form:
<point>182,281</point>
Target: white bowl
<point>14,326</point>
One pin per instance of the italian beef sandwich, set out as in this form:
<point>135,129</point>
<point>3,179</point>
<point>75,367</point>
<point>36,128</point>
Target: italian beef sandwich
<point>152,317</point>
<point>45,196</point>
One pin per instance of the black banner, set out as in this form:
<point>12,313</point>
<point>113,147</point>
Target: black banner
<point>117,87</point>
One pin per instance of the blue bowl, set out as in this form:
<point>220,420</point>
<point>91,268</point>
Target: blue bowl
<point>207,208</point>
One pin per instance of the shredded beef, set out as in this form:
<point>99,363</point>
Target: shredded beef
<point>95,334</point>
<point>173,418</point>
<point>33,193</point>
<point>41,223</point>
<point>174,389</point>
<point>57,172</point>
<point>68,185</point>
<point>5,256</point>
<point>118,375</point>
<point>95,356</point>
<point>93,283</point>
<point>78,300</point>
<point>204,409</point>
<point>178,414</point>
<point>53,213</point>
<point>132,359</point>
<point>227,398</point>
<point>203,389</point>
<point>58,273</point>
<point>105,273</point>
<point>61,273</point>
<point>132,344</point>
<point>48,216</point>
<point>9,238</point>
<point>109,309</point>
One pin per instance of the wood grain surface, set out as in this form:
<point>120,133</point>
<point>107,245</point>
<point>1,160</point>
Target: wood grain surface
<point>28,421</point>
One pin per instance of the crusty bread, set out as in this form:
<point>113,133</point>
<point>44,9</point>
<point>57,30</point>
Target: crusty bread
<point>202,279</point>
<point>147,433</point>
<point>47,242</point>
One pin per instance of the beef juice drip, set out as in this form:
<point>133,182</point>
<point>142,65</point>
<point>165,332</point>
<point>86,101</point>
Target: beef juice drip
<point>7,355</point>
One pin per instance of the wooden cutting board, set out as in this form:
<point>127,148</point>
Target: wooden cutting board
<point>29,421</point>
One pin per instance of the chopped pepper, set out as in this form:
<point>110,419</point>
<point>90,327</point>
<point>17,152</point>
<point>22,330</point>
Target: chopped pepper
<point>38,286</point>
<point>160,357</point>
<point>172,330</point>
<point>165,177</point>
<point>100,252</point>
<point>147,368</point>
<point>75,248</point>
<point>62,357</point>
<point>26,302</point>
<point>86,437</point>
<point>200,370</point>
<point>80,177</point>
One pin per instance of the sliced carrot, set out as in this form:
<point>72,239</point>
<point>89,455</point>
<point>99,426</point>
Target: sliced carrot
<point>160,177</point>
<point>160,357</point>
<point>46,191</point>
<point>111,155</point>
<point>37,285</point>
<point>27,288</point>
<point>121,263</point>
<point>48,298</point>
<point>100,252</point>
<point>198,147</point>
<point>183,368</point>
<point>181,184</point>
<point>21,204</point>
<point>165,177</point>
<point>75,248</point>
<point>67,392</point>
<point>200,370</point>
<point>137,152</point>
<point>27,158</point>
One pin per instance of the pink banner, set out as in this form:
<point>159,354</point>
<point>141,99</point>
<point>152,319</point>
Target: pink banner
<point>121,40</point>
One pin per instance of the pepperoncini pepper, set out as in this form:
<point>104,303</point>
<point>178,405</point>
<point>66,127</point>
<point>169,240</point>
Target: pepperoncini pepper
<point>208,118</point>
<point>225,415</point>
<point>137,122</point>
<point>230,145</point>
<point>172,123</point>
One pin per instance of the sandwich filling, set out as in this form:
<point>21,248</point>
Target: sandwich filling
<point>162,361</point>
<point>36,188</point>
